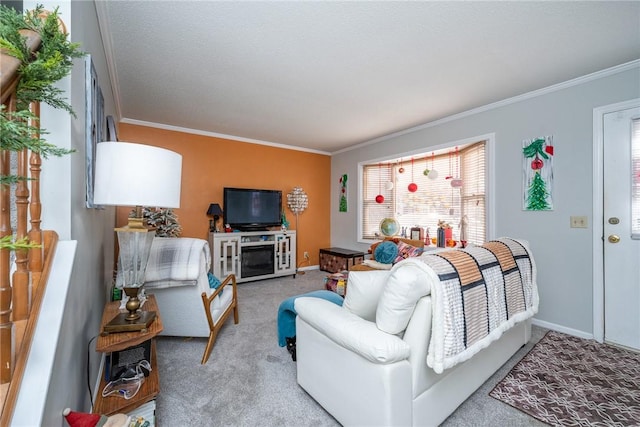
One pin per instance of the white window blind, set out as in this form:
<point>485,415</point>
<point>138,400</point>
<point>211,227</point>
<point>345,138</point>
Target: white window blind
<point>635,180</point>
<point>435,199</point>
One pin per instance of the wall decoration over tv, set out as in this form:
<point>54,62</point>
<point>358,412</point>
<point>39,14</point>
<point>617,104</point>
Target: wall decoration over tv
<point>537,174</point>
<point>252,209</point>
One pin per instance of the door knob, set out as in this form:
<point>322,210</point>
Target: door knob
<point>614,238</point>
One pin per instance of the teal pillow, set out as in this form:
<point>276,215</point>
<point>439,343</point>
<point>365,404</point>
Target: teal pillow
<point>386,252</point>
<point>214,282</point>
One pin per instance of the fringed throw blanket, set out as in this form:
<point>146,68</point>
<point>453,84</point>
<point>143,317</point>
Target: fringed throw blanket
<point>177,260</point>
<point>482,292</point>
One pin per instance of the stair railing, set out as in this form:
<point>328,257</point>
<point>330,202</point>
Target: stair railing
<point>24,271</point>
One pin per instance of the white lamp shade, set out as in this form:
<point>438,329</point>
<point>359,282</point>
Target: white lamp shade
<point>129,174</point>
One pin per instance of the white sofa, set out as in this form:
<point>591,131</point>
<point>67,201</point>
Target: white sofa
<point>364,376</point>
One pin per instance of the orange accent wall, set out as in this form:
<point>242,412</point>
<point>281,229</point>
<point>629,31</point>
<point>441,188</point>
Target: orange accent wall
<point>209,164</point>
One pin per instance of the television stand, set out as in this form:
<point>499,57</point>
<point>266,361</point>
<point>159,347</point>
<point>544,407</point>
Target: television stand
<point>253,255</point>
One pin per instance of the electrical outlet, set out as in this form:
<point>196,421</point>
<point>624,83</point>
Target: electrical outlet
<point>578,222</point>
<point>306,255</point>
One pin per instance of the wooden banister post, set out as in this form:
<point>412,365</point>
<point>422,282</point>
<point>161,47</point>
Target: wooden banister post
<point>20,282</point>
<point>6,326</point>
<point>35,208</point>
<point>35,212</point>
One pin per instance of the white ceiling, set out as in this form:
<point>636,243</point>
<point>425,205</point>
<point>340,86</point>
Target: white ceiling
<point>328,75</point>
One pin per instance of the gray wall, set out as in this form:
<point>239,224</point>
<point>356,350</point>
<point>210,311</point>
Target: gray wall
<point>64,210</point>
<point>563,255</point>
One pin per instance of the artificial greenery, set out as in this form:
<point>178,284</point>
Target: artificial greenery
<point>6,242</point>
<point>164,220</point>
<point>38,73</point>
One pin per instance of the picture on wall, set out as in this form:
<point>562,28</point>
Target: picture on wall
<point>537,174</point>
<point>94,126</point>
<point>343,194</point>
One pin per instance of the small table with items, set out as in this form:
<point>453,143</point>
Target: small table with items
<point>118,341</point>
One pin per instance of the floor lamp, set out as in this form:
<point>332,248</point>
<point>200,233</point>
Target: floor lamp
<point>297,201</point>
<point>138,175</point>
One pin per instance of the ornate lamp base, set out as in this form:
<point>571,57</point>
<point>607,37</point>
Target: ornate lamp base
<point>134,320</point>
<point>121,324</point>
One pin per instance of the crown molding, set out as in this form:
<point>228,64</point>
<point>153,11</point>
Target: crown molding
<point>529,95</point>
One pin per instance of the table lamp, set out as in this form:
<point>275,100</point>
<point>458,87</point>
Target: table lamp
<point>128,174</point>
<point>215,211</point>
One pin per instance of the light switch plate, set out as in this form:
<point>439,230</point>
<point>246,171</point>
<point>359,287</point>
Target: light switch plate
<point>578,222</point>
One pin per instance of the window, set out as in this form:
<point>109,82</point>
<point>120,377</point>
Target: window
<point>435,199</point>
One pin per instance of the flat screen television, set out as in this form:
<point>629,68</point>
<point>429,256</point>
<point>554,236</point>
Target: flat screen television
<point>249,209</point>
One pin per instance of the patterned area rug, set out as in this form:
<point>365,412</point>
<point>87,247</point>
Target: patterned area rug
<point>569,381</point>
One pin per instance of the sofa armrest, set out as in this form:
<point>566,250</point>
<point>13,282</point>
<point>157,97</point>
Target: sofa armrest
<point>351,332</point>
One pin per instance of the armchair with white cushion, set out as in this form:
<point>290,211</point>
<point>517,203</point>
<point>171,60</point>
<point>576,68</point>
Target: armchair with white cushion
<point>177,274</point>
<point>366,362</point>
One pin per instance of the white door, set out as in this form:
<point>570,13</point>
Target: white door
<point>622,228</point>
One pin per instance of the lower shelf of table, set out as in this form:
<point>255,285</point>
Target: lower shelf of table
<point>148,391</point>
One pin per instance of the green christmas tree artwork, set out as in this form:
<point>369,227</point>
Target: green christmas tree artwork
<point>343,194</point>
<point>537,169</point>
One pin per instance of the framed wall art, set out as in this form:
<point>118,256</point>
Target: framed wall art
<point>537,174</point>
<point>94,126</point>
<point>342,203</point>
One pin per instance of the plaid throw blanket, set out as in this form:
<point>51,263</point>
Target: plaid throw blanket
<point>482,292</point>
<point>177,260</point>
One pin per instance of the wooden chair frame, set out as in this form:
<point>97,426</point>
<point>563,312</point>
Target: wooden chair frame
<point>215,327</point>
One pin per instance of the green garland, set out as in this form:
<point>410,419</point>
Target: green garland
<point>38,73</point>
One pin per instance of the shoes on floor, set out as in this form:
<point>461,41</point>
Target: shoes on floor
<point>291,347</point>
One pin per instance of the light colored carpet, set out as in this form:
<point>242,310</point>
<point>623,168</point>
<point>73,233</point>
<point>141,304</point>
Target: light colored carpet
<point>250,381</point>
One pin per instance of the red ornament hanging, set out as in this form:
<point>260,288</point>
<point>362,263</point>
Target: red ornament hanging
<point>379,197</point>
<point>401,170</point>
<point>537,164</point>
<point>413,187</point>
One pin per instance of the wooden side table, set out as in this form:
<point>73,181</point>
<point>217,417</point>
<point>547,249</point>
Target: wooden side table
<point>117,341</point>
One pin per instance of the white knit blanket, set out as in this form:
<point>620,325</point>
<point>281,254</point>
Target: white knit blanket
<point>481,292</point>
<point>177,259</point>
